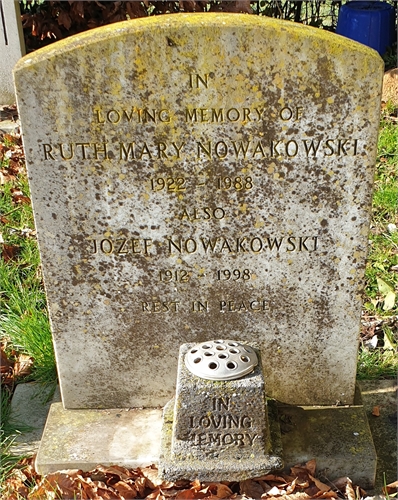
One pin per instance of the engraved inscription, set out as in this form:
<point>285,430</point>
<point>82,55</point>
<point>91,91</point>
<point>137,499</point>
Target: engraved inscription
<point>121,246</point>
<point>205,213</point>
<point>157,307</point>
<point>196,81</point>
<point>178,275</point>
<point>234,274</point>
<point>209,429</point>
<point>236,114</point>
<point>237,183</point>
<point>205,149</point>
<point>245,244</point>
<point>168,184</point>
<point>175,245</point>
<point>134,114</point>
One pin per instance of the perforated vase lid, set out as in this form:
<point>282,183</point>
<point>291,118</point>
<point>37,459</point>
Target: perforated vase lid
<point>221,360</point>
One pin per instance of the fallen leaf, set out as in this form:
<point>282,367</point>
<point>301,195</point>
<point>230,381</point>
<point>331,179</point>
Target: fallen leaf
<point>23,365</point>
<point>321,486</point>
<point>340,483</point>
<point>251,488</point>
<point>223,491</point>
<point>349,490</point>
<point>291,487</point>
<point>391,488</point>
<point>190,494</point>
<point>6,364</point>
<point>125,490</point>
<point>278,479</point>
<point>153,480</point>
<point>10,252</point>
<point>139,485</point>
<point>311,466</point>
<point>376,411</point>
<point>64,19</point>
<point>276,491</point>
<point>326,494</point>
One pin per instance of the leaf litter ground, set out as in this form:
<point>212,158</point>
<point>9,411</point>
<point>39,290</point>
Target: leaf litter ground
<point>119,483</point>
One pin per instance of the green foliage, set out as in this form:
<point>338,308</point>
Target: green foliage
<point>23,316</point>
<point>377,364</point>
<point>381,270</point>
<point>30,4</point>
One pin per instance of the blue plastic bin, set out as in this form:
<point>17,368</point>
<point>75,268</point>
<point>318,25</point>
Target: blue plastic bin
<point>370,23</point>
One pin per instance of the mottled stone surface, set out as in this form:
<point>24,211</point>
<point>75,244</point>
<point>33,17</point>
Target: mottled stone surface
<point>339,438</point>
<point>82,439</point>
<point>29,409</point>
<point>383,395</point>
<point>201,176</point>
<point>12,47</point>
<point>218,430</point>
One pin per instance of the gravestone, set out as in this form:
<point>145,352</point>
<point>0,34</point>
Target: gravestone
<point>196,176</point>
<point>201,176</point>
<point>12,47</point>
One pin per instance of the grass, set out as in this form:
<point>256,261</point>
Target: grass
<point>380,301</point>
<point>24,319</point>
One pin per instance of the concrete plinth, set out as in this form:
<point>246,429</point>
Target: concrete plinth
<point>82,439</point>
<point>339,438</point>
<point>30,405</point>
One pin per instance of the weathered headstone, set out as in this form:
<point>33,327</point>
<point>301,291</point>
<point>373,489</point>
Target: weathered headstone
<point>12,47</point>
<point>199,176</point>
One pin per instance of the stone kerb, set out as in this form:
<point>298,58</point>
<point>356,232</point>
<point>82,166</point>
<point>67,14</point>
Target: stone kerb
<point>195,176</point>
<point>12,47</point>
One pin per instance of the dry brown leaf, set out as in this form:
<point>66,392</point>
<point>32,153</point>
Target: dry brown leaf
<point>6,364</point>
<point>10,252</point>
<point>125,490</point>
<point>299,495</point>
<point>349,490</point>
<point>376,411</point>
<point>106,493</point>
<point>196,485</point>
<point>391,488</point>
<point>321,486</point>
<point>276,491</point>
<point>190,494</point>
<point>251,489</point>
<point>64,19</point>
<point>311,466</point>
<point>153,480</point>
<point>223,491</point>
<point>139,485</point>
<point>291,487</point>
<point>275,478</point>
<point>326,494</point>
<point>340,483</point>
<point>185,495</point>
<point>23,365</point>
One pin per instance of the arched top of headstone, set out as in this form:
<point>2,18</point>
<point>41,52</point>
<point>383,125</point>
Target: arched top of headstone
<point>186,24</point>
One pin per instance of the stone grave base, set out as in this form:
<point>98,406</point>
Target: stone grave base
<point>210,470</point>
<point>338,438</point>
<point>82,439</point>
